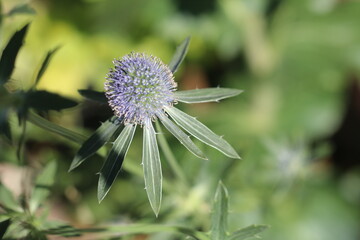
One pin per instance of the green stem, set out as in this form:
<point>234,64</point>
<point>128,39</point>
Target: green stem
<point>175,167</point>
<point>54,128</point>
<point>154,228</point>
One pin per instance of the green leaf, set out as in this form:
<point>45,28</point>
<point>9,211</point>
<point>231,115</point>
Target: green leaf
<point>93,95</point>
<point>152,167</point>
<point>248,232</point>
<point>54,128</point>
<point>201,132</point>
<point>113,163</point>
<point>21,9</point>
<point>4,124</point>
<point>96,141</point>
<point>220,213</point>
<point>7,200</point>
<point>181,136</point>
<point>45,101</point>
<point>8,57</point>
<point>45,64</point>
<point>43,183</point>
<point>3,227</point>
<point>205,95</point>
<point>179,55</point>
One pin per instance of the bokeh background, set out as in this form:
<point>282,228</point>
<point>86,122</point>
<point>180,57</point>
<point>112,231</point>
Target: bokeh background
<point>296,126</point>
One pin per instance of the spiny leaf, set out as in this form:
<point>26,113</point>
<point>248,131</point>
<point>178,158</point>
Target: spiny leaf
<point>220,213</point>
<point>8,57</point>
<point>205,95</point>
<point>152,168</point>
<point>45,101</point>
<point>96,141</point>
<point>93,95</point>
<point>179,55</point>
<point>113,163</point>
<point>43,183</point>
<point>45,64</point>
<point>201,132</point>
<point>248,232</point>
<point>181,136</point>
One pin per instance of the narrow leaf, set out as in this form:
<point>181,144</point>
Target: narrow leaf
<point>248,232</point>
<point>3,227</point>
<point>113,163</point>
<point>45,101</point>
<point>201,132</point>
<point>179,55</point>
<point>205,95</point>
<point>220,212</point>
<point>4,124</point>
<point>54,128</point>
<point>43,183</point>
<point>21,9</point>
<point>45,64</point>
<point>95,141</point>
<point>93,95</point>
<point>152,168</point>
<point>8,57</point>
<point>7,199</point>
<point>181,136</point>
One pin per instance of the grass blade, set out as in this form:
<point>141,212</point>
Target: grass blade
<point>95,141</point>
<point>8,57</point>
<point>201,132</point>
<point>181,136</point>
<point>179,55</point>
<point>113,163</point>
<point>205,95</point>
<point>152,167</point>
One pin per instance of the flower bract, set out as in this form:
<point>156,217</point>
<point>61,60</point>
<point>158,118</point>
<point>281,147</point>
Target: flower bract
<point>140,89</point>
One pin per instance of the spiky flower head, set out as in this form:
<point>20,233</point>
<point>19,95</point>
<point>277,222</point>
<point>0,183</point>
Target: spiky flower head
<point>139,87</point>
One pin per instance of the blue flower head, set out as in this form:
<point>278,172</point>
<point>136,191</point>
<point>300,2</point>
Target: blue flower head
<point>139,87</point>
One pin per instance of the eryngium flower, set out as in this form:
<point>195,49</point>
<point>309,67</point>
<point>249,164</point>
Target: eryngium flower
<point>141,89</point>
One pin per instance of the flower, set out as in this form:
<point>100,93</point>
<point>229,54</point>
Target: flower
<point>141,89</point>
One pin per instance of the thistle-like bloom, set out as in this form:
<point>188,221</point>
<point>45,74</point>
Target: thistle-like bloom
<point>141,89</point>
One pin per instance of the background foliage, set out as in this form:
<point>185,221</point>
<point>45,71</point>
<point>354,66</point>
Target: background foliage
<point>296,126</point>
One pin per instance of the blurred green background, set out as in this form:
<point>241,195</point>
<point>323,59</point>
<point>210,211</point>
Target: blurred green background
<point>296,126</point>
